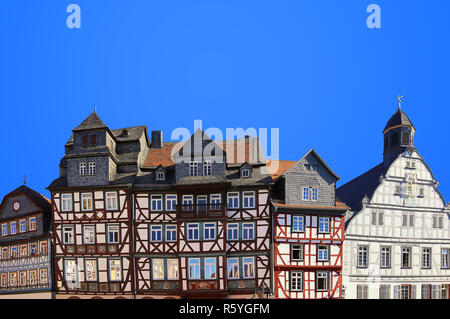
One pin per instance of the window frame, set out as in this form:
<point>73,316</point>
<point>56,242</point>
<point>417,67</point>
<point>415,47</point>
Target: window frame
<point>302,230</point>
<point>301,248</point>
<point>245,195</point>
<point>328,225</point>
<point>235,229</point>
<point>63,233</point>
<point>110,260</point>
<point>92,227</point>
<point>235,270</point>
<point>234,196</point>
<point>298,276</point>
<point>90,196</point>
<point>108,232</point>
<point>252,229</point>
<point>114,199</point>
<point>156,229</point>
<point>157,199</point>
<point>63,200</point>
<point>248,264</point>
<point>173,200</point>
<point>193,226</point>
<point>326,280</point>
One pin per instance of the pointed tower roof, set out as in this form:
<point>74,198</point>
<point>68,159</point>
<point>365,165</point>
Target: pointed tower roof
<point>93,121</point>
<point>398,119</point>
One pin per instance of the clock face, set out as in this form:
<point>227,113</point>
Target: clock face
<point>16,205</point>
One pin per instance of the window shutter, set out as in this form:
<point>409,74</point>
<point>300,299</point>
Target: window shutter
<point>85,140</point>
<point>413,291</point>
<point>93,139</point>
<point>396,292</point>
<point>441,225</point>
<point>434,221</point>
<point>374,218</point>
<point>380,218</point>
<point>411,220</point>
<point>405,220</point>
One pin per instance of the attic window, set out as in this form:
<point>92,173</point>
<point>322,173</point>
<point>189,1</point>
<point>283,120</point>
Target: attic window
<point>124,132</point>
<point>93,139</point>
<point>307,167</point>
<point>85,140</point>
<point>160,176</point>
<point>245,173</point>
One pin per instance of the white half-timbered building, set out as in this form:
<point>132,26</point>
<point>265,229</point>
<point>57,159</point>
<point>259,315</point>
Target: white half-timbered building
<point>397,241</point>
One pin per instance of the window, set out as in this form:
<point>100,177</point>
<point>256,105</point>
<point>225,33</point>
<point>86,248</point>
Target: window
<point>305,193</point>
<point>297,252</point>
<point>406,257</point>
<point>298,223</point>
<point>193,168</point>
<point>194,268</point>
<point>445,261</point>
<point>248,200</point>
<point>156,202</point>
<point>322,253</point>
<point>13,228</point>
<point>33,276</point>
<point>248,263</point>
<point>4,280</point>
<point>113,234</point>
<point>245,173</point>
<point>111,200</point>
<point>209,231</point>
<point>91,269</point>
<point>233,230</point>
<point>32,223</point>
<point>307,167</point>
<point>92,168</point>
<point>385,291</point>
<point>233,268</point>
<point>115,270</point>
<point>43,248</point>
<point>24,250</point>
<point>380,218</point>
<point>314,194</point>
<point>188,201</point>
<point>296,281</point>
<point>5,254</point>
<point>374,218</point>
<point>93,139</point>
<point>160,176</point>
<point>437,221</point>
<point>158,269</point>
<point>362,292</point>
<point>68,235</point>
<point>404,292</point>
<point>233,200</point>
<point>248,231</point>
<point>171,233</point>
<point>207,168</point>
<point>23,226</point>
<point>70,270</point>
<point>13,279</point>
<point>426,258</point>
<point>321,281</point>
<point>88,234</point>
<point>4,229</point>
<point>210,268</point>
<point>43,276</point>
<point>411,220</point>
<point>192,231</point>
<point>385,257</point>
<point>33,249</point>
<point>324,224</point>
<point>156,233</point>
<point>171,202</point>
<point>83,169</point>
<point>172,269</point>
<point>363,252</point>
<point>14,252</point>
<point>86,201</point>
<point>66,202</point>
<point>215,201</point>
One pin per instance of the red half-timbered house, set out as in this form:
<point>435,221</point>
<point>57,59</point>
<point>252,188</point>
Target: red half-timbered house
<point>308,232</point>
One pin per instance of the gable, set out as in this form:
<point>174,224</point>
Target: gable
<point>25,204</point>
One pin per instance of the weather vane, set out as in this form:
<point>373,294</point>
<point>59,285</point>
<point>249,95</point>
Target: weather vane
<point>399,98</point>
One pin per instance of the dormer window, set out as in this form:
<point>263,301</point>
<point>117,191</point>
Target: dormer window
<point>160,176</point>
<point>83,169</point>
<point>207,168</point>
<point>193,168</point>
<point>310,194</point>
<point>245,173</point>
<point>92,168</point>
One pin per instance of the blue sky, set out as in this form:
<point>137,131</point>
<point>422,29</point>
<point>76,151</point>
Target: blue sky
<point>311,68</point>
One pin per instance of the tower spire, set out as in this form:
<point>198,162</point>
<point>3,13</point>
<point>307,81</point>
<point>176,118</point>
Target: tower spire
<point>399,98</point>
<point>95,108</point>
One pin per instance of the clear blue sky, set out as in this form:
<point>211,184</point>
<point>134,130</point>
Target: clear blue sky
<point>311,68</point>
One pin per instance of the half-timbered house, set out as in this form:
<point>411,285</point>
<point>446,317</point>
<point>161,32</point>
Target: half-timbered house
<point>25,245</point>
<point>202,220</point>
<point>92,211</point>
<point>308,230</point>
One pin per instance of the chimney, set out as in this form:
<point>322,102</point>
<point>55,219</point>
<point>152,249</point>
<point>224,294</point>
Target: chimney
<point>247,149</point>
<point>157,141</point>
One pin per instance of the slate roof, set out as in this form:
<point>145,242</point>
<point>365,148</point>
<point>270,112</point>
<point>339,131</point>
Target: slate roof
<point>353,192</point>
<point>93,121</point>
<point>339,206</point>
<point>198,180</point>
<point>399,118</point>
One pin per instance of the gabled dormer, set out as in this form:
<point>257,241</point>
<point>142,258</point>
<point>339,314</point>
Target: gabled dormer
<point>160,174</point>
<point>310,182</point>
<point>199,156</point>
<point>245,171</point>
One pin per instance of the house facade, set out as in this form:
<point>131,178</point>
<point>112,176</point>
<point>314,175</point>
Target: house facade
<point>397,240</point>
<point>25,246</point>
<point>308,230</point>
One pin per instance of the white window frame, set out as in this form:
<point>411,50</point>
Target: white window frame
<point>426,257</point>
<point>115,229</point>
<point>171,202</point>
<point>72,276</point>
<point>234,196</point>
<point>116,269</point>
<point>156,229</point>
<point>445,258</point>
<point>322,274</point>
<point>207,168</point>
<point>245,173</point>
<point>234,227</point>
<point>188,202</point>
<point>13,227</point>
<point>172,229</point>
<point>32,224</point>
<point>321,249</point>
<point>248,264</point>
<point>249,195</point>
<point>234,270</point>
<point>300,248</point>
<point>207,227</point>
<point>302,220</point>
<point>248,227</point>
<point>68,230</point>
<point>193,168</point>
<point>363,256</point>
<point>157,199</point>
<point>23,222</point>
<point>385,251</point>
<point>82,168</point>
<point>158,269</point>
<point>92,169</point>
<point>327,231</point>
<point>88,197</point>
<point>210,264</point>
<point>173,272</point>
<point>192,226</point>
<point>93,268</point>
<point>305,193</point>
<point>160,176</point>
<point>5,229</point>
<point>111,199</point>
<point>195,264</point>
<point>66,202</point>
<point>89,230</point>
<point>296,281</point>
